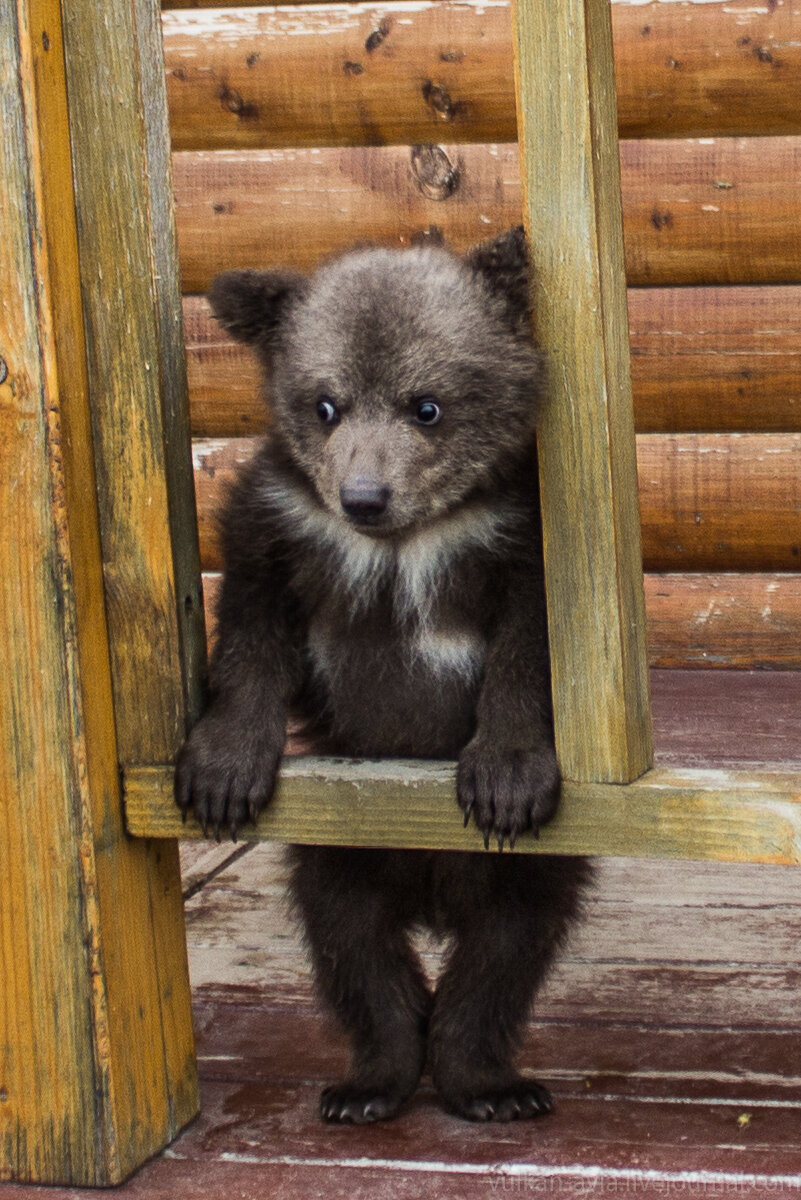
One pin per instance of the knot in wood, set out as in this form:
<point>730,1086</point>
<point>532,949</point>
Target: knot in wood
<point>436,176</point>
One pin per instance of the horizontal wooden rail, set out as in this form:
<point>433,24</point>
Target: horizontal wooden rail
<point>748,621</point>
<point>734,816</point>
<point>694,212</point>
<point>696,619</point>
<point>708,502</point>
<point>703,360</point>
<point>407,72</point>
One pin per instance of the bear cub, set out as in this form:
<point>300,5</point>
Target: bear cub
<point>383,579</point>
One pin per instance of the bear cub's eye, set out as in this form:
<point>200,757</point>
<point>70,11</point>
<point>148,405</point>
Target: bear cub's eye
<point>327,411</point>
<point>428,411</point>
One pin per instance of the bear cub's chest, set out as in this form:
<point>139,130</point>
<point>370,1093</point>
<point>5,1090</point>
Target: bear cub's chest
<point>400,658</point>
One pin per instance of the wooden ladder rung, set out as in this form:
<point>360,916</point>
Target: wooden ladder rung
<point>723,815</point>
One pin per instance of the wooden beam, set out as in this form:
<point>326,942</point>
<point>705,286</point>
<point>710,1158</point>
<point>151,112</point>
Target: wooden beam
<point>703,360</point>
<point>751,622</point>
<point>727,816</point>
<point>569,167</point>
<point>716,359</point>
<point>137,371</point>
<point>406,72</point>
<point>98,1067</point>
<point>708,502</point>
<point>720,502</point>
<point>694,212</point>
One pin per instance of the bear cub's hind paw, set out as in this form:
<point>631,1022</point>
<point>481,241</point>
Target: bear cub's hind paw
<point>521,1099</point>
<point>351,1104</point>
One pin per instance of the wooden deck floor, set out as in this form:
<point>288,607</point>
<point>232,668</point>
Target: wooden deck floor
<point>670,1033</point>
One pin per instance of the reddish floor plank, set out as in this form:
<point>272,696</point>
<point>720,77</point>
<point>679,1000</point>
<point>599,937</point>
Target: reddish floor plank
<point>174,1179</point>
<point>263,1043</point>
<point>269,1123</point>
<point>726,718</point>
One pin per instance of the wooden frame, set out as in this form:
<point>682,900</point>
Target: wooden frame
<point>101,602</point>
<point>98,1069</point>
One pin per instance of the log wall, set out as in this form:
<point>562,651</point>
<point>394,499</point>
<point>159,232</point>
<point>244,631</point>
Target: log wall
<point>300,129</point>
<point>404,71</point>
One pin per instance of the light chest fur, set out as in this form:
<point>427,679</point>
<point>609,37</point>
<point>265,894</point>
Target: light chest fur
<point>394,638</point>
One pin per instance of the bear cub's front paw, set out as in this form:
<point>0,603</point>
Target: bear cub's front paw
<point>507,790</point>
<point>225,773</point>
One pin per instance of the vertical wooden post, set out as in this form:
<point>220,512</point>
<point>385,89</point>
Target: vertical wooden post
<point>97,1067</point>
<point>567,126</point>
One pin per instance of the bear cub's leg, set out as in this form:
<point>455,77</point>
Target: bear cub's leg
<point>355,906</point>
<point>508,917</point>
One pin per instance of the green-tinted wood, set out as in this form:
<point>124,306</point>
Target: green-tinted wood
<point>97,1066</point>
<point>735,816</point>
<point>570,171</point>
<point>132,313</point>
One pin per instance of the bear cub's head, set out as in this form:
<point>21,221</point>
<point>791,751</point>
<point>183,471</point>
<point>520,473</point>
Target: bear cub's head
<point>402,382</point>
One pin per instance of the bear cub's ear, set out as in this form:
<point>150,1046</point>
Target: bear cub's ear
<point>504,265</point>
<point>252,304</point>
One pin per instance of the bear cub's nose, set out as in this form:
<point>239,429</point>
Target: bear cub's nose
<point>364,499</point>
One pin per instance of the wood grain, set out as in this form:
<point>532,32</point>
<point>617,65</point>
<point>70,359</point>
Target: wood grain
<point>721,815</point>
<point>123,186</point>
<point>694,212</point>
<point>748,621</point>
<point>715,359</point>
<point>403,72</point>
<point>127,263</point>
<point>718,502</point>
<point>564,82</point>
<point>95,1028</point>
<point>708,502</point>
<point>702,360</point>
<point>700,620</point>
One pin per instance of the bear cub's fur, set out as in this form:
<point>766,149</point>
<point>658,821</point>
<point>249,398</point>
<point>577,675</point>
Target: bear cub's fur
<point>383,578</point>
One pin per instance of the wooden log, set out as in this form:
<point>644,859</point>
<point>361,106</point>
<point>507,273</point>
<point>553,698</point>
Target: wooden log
<point>749,622</point>
<point>97,1065</point>
<point>720,502</point>
<point>715,359</point>
<point>727,816</point>
<point>404,72</point>
<point>732,620</point>
<point>348,75</point>
<point>745,621</point>
<point>702,360</point>
<point>708,502</point>
<point>569,166</point>
<point>223,377</point>
<point>694,212</point>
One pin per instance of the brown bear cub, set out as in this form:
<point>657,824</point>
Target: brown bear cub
<point>383,578</point>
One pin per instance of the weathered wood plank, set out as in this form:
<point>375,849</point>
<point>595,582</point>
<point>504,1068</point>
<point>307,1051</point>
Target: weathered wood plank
<point>712,211</point>
<point>127,257</point>
<point>715,621</point>
<point>722,815</point>
<point>564,84</point>
<point>738,720</point>
<point>405,72</point>
<point>716,359</point>
<point>708,502</point>
<point>95,1025</point>
<point>720,502</point>
<point>703,359</point>
<point>727,620</point>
